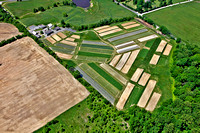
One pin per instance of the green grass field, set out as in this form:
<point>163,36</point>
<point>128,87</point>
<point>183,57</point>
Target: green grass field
<point>106,76</point>
<point>182,20</point>
<point>160,73</point>
<point>77,16</point>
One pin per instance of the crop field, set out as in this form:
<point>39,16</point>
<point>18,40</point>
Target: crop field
<point>91,59</point>
<point>181,20</point>
<point>130,38</point>
<point>65,46</point>
<point>96,46</point>
<point>35,83</point>
<point>106,76</point>
<point>100,80</point>
<point>7,31</point>
<point>94,54</point>
<point>160,73</point>
<point>77,16</point>
<point>62,50</point>
<point>96,50</point>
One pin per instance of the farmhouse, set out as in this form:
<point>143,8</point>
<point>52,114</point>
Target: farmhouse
<point>48,32</point>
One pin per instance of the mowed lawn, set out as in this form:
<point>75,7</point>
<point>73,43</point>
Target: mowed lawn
<point>76,16</point>
<point>183,21</point>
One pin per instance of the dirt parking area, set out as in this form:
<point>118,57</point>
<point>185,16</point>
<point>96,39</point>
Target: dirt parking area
<point>8,31</point>
<point>34,87</point>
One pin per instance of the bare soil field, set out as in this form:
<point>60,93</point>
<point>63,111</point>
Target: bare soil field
<point>128,23</point>
<point>110,32</point>
<point>76,36</point>
<point>69,43</point>
<point>125,95</point>
<point>8,31</point>
<point>115,60</point>
<point>102,27</point>
<point>108,29</point>
<point>131,26</point>
<point>147,93</point>
<point>34,87</point>
<point>130,61</point>
<point>147,38</point>
<point>122,61</point>
<point>56,37</point>
<point>70,39</point>
<point>167,50</point>
<point>64,56</point>
<point>143,80</point>
<point>63,36</point>
<point>161,46</point>
<point>154,59</point>
<point>137,74</point>
<point>153,101</point>
<point>51,40</point>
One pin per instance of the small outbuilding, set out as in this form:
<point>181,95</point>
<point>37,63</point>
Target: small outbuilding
<point>57,28</point>
<point>48,32</point>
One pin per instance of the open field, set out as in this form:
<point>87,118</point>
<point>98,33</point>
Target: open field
<point>63,36</point>
<point>144,79</point>
<point>7,31</point>
<point>64,56</point>
<point>122,61</point>
<point>137,74</point>
<point>161,46</point>
<point>41,87</point>
<point>56,37</point>
<point>51,40</point>
<point>182,20</point>
<point>115,60</point>
<point>77,16</point>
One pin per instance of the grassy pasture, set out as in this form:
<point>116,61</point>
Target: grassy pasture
<point>77,16</point>
<point>182,20</point>
<point>106,76</point>
<point>160,73</point>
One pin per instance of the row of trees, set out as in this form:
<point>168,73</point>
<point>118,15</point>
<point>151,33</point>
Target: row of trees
<point>64,3</point>
<point>100,23</point>
<point>142,6</point>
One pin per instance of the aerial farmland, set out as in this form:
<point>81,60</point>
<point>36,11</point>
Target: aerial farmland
<point>98,66</point>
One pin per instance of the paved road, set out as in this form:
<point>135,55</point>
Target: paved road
<point>141,14</point>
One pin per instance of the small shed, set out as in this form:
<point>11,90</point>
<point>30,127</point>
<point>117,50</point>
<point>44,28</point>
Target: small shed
<point>57,28</point>
<point>48,32</point>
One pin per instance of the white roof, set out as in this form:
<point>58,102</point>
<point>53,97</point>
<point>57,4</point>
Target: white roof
<point>50,25</point>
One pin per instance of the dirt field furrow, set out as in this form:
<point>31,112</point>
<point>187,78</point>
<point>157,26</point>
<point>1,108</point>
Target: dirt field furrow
<point>115,60</point>
<point>137,74</point>
<point>167,50</point>
<point>154,59</point>
<point>143,80</point>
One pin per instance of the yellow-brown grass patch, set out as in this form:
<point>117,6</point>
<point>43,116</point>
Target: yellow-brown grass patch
<point>154,59</point>
<point>56,37</point>
<point>161,46</point>
<point>63,36</point>
<point>115,60</point>
<point>64,56</point>
<point>69,43</point>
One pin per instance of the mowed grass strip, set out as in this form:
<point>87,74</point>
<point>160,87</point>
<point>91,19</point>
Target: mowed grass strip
<point>150,43</point>
<point>96,50</point>
<point>134,96</point>
<point>96,46</point>
<point>61,50</point>
<point>108,77</point>
<point>94,54</point>
<point>100,80</point>
<point>91,59</point>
